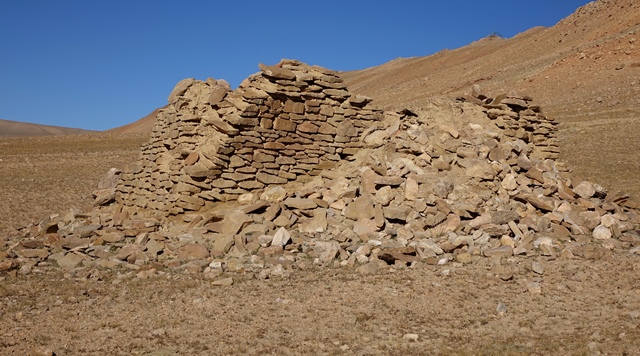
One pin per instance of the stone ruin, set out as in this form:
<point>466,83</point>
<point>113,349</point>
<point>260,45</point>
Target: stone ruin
<point>292,171</point>
<point>211,144</point>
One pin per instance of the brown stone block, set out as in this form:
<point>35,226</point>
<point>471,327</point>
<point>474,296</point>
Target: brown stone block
<point>294,107</point>
<point>283,160</point>
<point>250,185</point>
<point>237,120</point>
<point>277,72</point>
<point>284,125</point>
<point>327,110</point>
<point>270,179</point>
<point>287,175</point>
<point>266,123</point>
<point>237,177</point>
<point>262,157</point>
<point>327,129</point>
<point>274,146</point>
<point>223,184</point>
<point>308,127</point>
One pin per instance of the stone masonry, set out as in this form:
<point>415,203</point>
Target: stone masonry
<point>287,123</point>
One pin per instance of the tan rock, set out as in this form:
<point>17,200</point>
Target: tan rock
<point>281,237</point>
<point>480,169</point>
<point>223,282</point>
<point>113,237</point>
<point>270,179</point>
<point>222,243</point>
<point>284,125</point>
<point>8,265</point>
<point>602,232</point>
<point>398,212</point>
<point>274,194</point>
<point>368,180</point>
<point>346,129</point>
<point>464,257</point>
<point>300,203</point>
<point>70,261</point>
<point>368,268</point>
<point>191,159</point>
<point>317,225</point>
<point>282,221</point>
<point>110,179</point>
<point>501,217</point>
<point>360,208</point>
<point>34,253</point>
<point>509,182</point>
<point>104,196</point>
<point>307,127</point>
<point>389,180</point>
<point>277,72</point>
<point>247,199</point>
<point>536,174</point>
<point>502,251</point>
<point>545,204</point>
<point>365,227</point>
<point>217,94</point>
<point>193,252</point>
<point>443,188</point>
<point>234,222</point>
<point>326,250</point>
<point>411,189</point>
<point>180,89</point>
<point>585,190</point>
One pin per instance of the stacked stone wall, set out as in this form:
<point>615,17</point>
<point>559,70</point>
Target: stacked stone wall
<point>286,123</point>
<point>520,118</point>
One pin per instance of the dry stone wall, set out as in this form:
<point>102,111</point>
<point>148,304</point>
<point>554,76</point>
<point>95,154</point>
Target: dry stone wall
<point>287,123</point>
<point>519,118</point>
<point>290,171</point>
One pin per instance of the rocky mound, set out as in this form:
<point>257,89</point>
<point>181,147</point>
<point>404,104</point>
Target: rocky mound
<point>583,69</point>
<point>292,171</point>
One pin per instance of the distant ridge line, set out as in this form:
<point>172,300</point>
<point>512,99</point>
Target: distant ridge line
<point>9,128</point>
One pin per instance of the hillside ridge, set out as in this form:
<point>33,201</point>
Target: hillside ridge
<point>10,128</point>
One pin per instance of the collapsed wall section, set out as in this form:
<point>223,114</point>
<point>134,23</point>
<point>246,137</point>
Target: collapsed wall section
<point>520,119</point>
<point>286,123</point>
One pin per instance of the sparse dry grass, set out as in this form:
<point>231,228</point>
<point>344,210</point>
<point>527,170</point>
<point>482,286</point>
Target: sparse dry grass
<point>44,175</point>
<point>605,150</point>
<point>319,312</point>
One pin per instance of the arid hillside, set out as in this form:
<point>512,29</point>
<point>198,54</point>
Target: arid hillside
<point>142,126</point>
<point>20,129</point>
<point>42,175</point>
<point>584,71</point>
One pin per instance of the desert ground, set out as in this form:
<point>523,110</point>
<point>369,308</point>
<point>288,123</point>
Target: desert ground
<point>537,305</point>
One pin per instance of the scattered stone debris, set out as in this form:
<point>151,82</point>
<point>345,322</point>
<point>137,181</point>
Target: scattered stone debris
<point>292,171</point>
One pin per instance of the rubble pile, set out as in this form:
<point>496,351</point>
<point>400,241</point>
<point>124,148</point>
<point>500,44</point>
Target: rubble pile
<point>291,171</point>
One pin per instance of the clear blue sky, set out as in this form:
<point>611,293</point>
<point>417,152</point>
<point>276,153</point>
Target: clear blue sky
<point>99,64</point>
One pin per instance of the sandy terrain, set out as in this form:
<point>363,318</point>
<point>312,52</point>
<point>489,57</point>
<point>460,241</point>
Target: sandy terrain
<point>584,307</point>
<point>577,306</point>
<point>47,174</point>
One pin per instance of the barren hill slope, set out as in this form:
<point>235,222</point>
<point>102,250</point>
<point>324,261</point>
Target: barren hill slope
<point>584,70</point>
<point>142,126</point>
<point>18,129</point>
